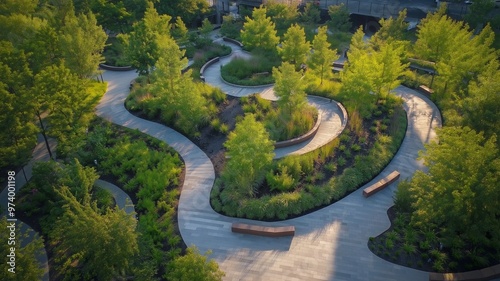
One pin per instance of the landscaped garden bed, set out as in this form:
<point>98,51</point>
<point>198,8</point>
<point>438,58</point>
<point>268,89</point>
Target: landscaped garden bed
<point>152,181</point>
<point>297,185</point>
<point>281,127</point>
<point>253,71</point>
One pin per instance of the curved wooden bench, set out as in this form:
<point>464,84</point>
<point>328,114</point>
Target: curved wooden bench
<point>381,184</point>
<point>484,274</point>
<point>425,90</point>
<point>207,64</point>
<point>268,231</point>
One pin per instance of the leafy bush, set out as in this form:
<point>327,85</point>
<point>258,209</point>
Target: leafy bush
<point>281,181</point>
<point>251,72</point>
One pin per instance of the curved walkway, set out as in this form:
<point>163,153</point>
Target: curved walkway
<point>333,118</point>
<point>330,244</point>
<point>122,199</point>
<point>39,154</point>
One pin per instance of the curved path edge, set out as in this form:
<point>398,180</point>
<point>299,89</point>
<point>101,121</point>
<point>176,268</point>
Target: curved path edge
<point>330,244</point>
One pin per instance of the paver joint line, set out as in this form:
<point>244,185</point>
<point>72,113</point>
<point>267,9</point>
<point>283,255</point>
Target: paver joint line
<point>329,244</point>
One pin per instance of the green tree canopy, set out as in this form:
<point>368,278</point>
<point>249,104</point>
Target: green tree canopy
<point>143,44</point>
<point>322,57</point>
<point>250,151</point>
<point>294,48</point>
<point>282,14</point>
<point>289,88</point>
<point>480,107</point>
<point>458,197</point>
<point>339,18</point>
<point>82,44</point>
<point>100,245</point>
<point>311,13</point>
<point>179,31</point>
<point>194,266</point>
<point>17,130</point>
<point>28,247</point>
<point>259,31</point>
<point>392,31</point>
<point>69,102</point>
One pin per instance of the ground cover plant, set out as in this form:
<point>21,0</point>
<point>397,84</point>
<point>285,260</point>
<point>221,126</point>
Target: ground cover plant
<point>279,127</point>
<point>152,180</point>
<point>256,70</point>
<point>444,220</point>
<point>114,53</point>
<point>170,95</point>
<point>297,185</point>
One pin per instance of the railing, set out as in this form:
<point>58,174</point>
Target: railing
<point>363,7</point>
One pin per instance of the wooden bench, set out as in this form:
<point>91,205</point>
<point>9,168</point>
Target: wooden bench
<point>484,274</point>
<point>381,184</point>
<point>268,231</point>
<point>426,90</point>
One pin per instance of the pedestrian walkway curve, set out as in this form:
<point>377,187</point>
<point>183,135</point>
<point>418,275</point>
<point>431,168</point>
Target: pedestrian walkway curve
<point>332,114</point>
<point>329,244</point>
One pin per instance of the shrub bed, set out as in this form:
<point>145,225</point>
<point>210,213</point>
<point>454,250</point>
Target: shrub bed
<point>279,126</point>
<point>254,71</point>
<point>297,185</point>
<point>113,52</point>
<point>148,170</point>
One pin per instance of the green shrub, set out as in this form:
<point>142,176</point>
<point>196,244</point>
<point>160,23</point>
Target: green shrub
<point>389,244</point>
<point>341,161</point>
<point>281,181</point>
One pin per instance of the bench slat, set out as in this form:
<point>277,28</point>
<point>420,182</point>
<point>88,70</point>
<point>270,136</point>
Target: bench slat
<point>381,184</point>
<point>268,231</point>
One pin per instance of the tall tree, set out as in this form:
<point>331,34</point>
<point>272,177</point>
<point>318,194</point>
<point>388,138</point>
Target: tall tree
<point>311,13</point>
<point>179,31</point>
<point>282,14</point>
<point>259,31</point>
<point>27,248</point>
<point>392,31</point>
<point>250,151</point>
<point>387,68</point>
<point>460,193</point>
<point>181,101</point>
<point>17,130</point>
<point>194,266</point>
<point>101,245</point>
<point>322,57</point>
<point>480,107</point>
<point>143,44</point>
<point>82,44</point>
<point>69,102</point>
<point>289,88</point>
<point>339,18</point>
<point>294,48</point>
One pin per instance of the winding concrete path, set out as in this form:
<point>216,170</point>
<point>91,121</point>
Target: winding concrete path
<point>333,115</point>
<point>39,154</point>
<point>330,244</point>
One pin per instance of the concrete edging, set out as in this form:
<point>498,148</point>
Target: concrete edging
<point>307,136</point>
<point>234,41</point>
<point>484,274</point>
<point>115,68</point>
<point>207,64</point>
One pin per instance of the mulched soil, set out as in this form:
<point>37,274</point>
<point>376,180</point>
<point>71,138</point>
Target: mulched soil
<point>211,141</point>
